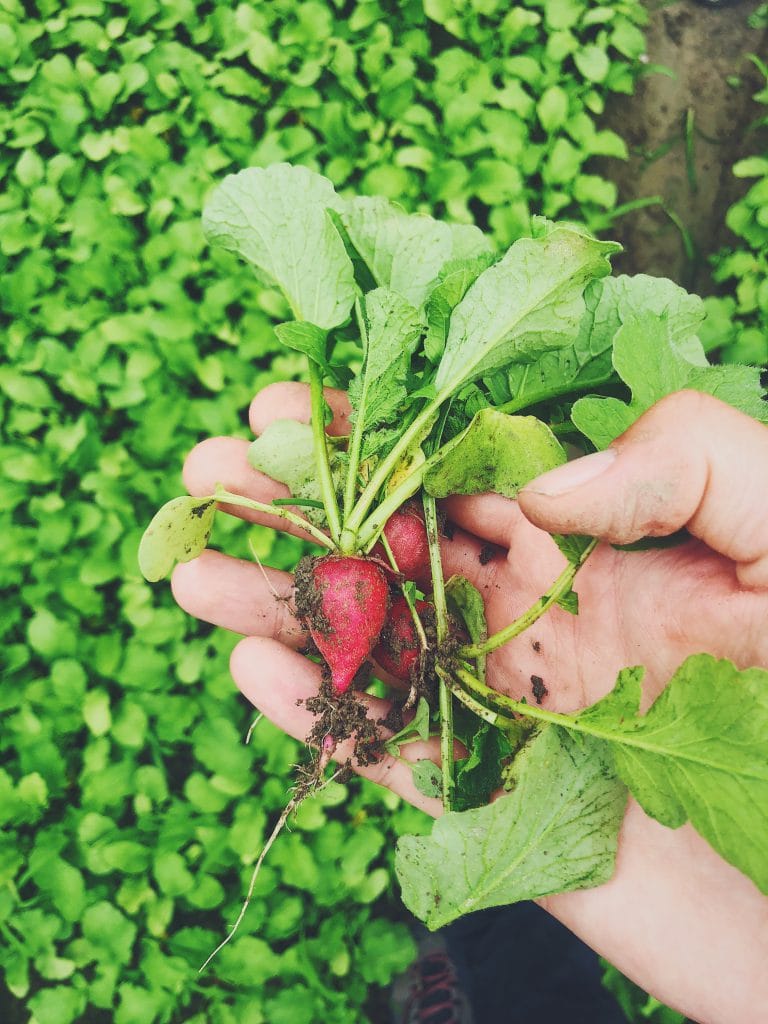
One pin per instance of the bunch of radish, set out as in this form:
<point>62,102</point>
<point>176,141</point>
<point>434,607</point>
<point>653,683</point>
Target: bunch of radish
<point>353,610</point>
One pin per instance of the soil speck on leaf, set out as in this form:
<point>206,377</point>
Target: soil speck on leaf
<point>199,510</point>
<point>539,689</point>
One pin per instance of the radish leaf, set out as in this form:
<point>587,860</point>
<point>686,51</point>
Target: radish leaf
<point>556,831</point>
<point>454,280</point>
<point>495,453</point>
<point>285,452</point>
<point>305,337</point>
<point>276,219</point>
<point>529,302</point>
<point>586,362</point>
<point>179,532</point>
<point>427,778</point>
<point>647,358</point>
<point>698,755</point>
<point>403,251</point>
<point>393,328</point>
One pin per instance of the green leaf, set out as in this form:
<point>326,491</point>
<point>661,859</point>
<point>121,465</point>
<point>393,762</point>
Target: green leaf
<point>556,831</point>
<point>285,451</point>
<point>497,453</point>
<point>454,280</point>
<point>528,302</point>
<point>305,337</point>
<point>569,602</point>
<point>467,602</point>
<point>64,884</point>
<point>698,754</point>
<point>96,712</point>
<point>110,932</point>
<point>179,532</point>
<point>427,778</point>
<point>172,875</point>
<point>26,390</point>
<point>385,949</point>
<point>586,362</point>
<point>276,218</point>
<point>417,728</point>
<point>405,252</point>
<point>479,775</point>
<point>552,108</point>
<point>58,1004</point>
<point>572,545</point>
<point>648,359</point>
<point>593,62</point>
<point>393,328</point>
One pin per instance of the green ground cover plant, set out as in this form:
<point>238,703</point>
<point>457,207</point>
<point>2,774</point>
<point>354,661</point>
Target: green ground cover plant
<point>132,809</point>
<point>739,317</point>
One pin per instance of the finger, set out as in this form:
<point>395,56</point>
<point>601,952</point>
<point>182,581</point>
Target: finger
<point>223,460</point>
<point>290,401</point>
<point>239,596</point>
<point>464,555</point>
<point>690,461</point>
<point>490,517</point>
<point>499,534</point>
<point>274,679</point>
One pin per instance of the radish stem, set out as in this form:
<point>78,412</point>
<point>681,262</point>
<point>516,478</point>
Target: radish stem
<point>441,616</point>
<point>559,588</point>
<point>229,498</point>
<point>327,489</point>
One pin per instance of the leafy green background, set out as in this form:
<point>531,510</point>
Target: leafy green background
<point>738,317</point>
<point>131,808</point>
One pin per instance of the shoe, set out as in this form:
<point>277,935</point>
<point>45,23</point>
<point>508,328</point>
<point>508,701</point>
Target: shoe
<point>430,991</point>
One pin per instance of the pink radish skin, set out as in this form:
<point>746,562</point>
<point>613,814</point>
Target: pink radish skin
<point>398,646</point>
<point>407,537</point>
<point>352,605</point>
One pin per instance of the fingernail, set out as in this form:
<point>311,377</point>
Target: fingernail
<point>573,474</point>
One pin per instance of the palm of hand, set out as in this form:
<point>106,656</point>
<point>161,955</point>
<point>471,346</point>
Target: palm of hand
<point>651,608</point>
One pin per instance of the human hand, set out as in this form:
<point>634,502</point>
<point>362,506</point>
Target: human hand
<point>675,917</point>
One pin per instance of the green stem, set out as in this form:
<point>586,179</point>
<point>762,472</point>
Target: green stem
<point>406,596</point>
<point>327,490</point>
<point>369,532</point>
<point>356,442</point>
<point>273,510</point>
<point>559,588</point>
<point>515,405</point>
<point>507,706</point>
<point>441,616</point>
<point>475,706</point>
<point>385,467</point>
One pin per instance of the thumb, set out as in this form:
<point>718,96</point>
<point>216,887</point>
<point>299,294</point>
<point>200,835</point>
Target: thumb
<point>690,461</point>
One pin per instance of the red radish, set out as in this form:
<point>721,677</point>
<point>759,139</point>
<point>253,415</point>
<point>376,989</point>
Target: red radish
<point>407,537</point>
<point>346,613</point>
<point>398,646</point>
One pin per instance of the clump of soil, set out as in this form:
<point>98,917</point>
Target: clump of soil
<point>340,717</point>
<point>538,688</point>
<point>307,599</point>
